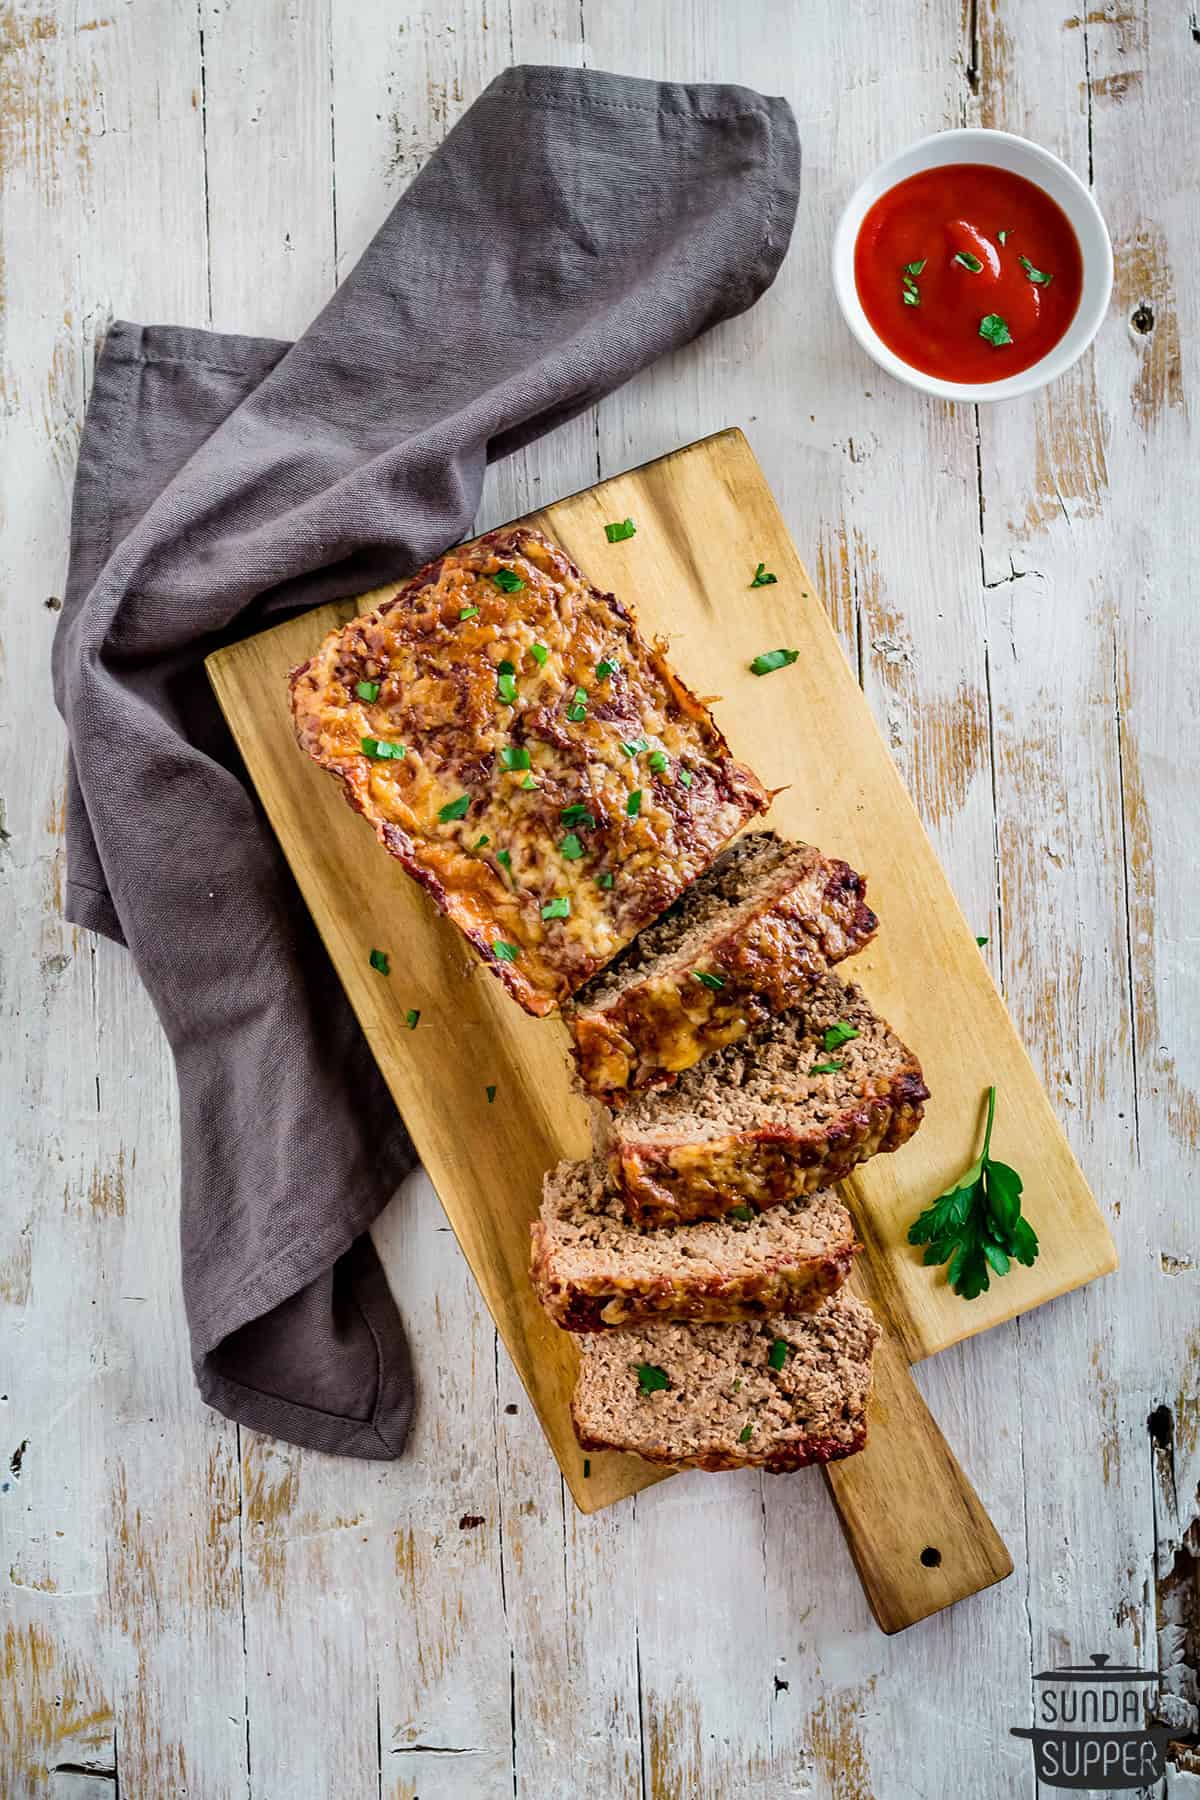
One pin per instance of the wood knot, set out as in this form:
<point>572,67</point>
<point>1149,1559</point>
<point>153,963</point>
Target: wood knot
<point>1143,319</point>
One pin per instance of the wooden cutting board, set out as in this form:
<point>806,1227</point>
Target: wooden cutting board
<point>705,517</point>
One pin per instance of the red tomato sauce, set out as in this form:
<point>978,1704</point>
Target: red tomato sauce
<point>949,220</point>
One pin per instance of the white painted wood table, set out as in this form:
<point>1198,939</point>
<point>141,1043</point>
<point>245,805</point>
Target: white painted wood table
<point>190,1609</point>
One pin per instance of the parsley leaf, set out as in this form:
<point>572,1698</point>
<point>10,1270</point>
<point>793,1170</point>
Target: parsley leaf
<point>968,261</point>
<point>605,880</point>
<point>605,669</point>
<point>1037,276</point>
<point>778,1354</point>
<point>505,952</point>
<point>454,809</point>
<point>707,980</point>
<point>529,782</point>
<point>763,577</point>
<point>652,1379</point>
<point>978,1223</point>
<point>468,612</point>
<point>659,762</point>
<point>506,686</point>
<point>559,908</point>
<point>481,841</point>
<point>740,1212</point>
<point>635,747</point>
<point>508,581</point>
<point>571,849</point>
<point>617,533</point>
<point>838,1034</point>
<point>981,942</point>
<point>540,654</point>
<point>367,690</point>
<point>745,1434</point>
<point>825,1068</point>
<point>1003,236</point>
<point>633,804</point>
<point>578,708</point>
<point>378,751</point>
<point>915,268</point>
<point>773,659</point>
<point>514,757</point>
<point>411,1017</point>
<point>578,815</point>
<point>378,960</point>
<point>504,858</point>
<point>685,776</point>
<point>993,328</point>
<point>911,297</point>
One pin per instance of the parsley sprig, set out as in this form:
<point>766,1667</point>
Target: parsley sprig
<point>977,1224</point>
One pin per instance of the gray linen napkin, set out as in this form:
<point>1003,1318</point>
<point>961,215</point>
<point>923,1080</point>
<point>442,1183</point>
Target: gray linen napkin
<point>572,227</point>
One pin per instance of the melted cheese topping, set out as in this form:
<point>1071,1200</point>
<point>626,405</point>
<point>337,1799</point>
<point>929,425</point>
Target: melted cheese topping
<point>492,695</point>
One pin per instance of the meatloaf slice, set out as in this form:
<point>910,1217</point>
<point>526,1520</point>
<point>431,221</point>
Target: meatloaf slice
<point>772,1393</point>
<point>591,1268</point>
<point>744,942</point>
<point>522,750</point>
<point>789,1109</point>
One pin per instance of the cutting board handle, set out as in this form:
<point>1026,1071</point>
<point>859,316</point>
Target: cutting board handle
<point>916,1529</point>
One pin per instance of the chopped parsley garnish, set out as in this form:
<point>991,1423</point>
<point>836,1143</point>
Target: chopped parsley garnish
<point>981,942</point>
<point>911,292</point>
<point>838,1034</point>
<point>652,1379</point>
<point>513,756</point>
<point>968,261</point>
<point>481,841</point>
<point>659,762</point>
<point>617,533</point>
<point>378,960</point>
<point>778,1353</point>
<point>381,752</point>
<point>506,687</point>
<point>825,1068</point>
<point>740,1212</point>
<point>707,980</point>
<point>469,612</point>
<point>633,804</point>
<point>605,880</point>
<point>1003,236</point>
<point>504,858</point>
<point>993,328</point>
<point>605,669</point>
<point>1037,276</point>
<point>745,1434</point>
<point>571,848</point>
<point>508,581</point>
<point>763,577</point>
<point>411,1017</point>
<point>540,654</point>
<point>454,809</point>
<point>635,746</point>
<point>490,1091</point>
<point>559,908</point>
<point>978,1224</point>
<point>578,815</point>
<point>505,952</point>
<point>915,268</point>
<point>367,690</point>
<point>773,659</point>
<point>578,708</point>
<point>528,783</point>
<point>685,776</point>
<point>911,296</point>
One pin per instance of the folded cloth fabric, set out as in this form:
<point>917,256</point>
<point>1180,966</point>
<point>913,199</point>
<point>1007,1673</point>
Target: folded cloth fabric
<point>571,228</point>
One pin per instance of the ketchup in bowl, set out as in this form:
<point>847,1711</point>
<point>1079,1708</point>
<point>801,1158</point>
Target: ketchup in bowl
<point>968,272</point>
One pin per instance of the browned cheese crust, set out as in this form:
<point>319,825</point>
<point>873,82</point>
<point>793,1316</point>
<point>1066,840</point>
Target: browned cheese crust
<point>732,1398</point>
<point>745,942</point>
<point>768,1119</point>
<point>593,1270</point>
<point>518,756</point>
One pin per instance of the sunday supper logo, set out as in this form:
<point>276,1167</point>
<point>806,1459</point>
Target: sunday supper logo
<point>1091,1729</point>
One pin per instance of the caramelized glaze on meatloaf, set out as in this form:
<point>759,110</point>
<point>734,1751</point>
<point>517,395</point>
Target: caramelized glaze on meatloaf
<point>592,1269</point>
<point>778,1114</point>
<point>545,774</point>
<point>744,942</point>
<point>776,1394</point>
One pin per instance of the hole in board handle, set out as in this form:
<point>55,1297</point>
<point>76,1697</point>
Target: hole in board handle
<point>931,1558</point>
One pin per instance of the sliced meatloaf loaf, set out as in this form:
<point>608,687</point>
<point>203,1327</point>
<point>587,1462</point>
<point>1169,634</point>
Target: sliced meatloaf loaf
<point>524,752</point>
<point>592,1268</point>
<point>774,1394</point>
<point>789,1109</point>
<point>744,942</point>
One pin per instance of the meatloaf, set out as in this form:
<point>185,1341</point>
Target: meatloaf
<point>774,1393</point>
<point>791,1108</point>
<point>526,755</point>
<point>591,1268</point>
<point>743,943</point>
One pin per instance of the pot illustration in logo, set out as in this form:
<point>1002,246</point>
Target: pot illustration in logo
<point>1091,1729</point>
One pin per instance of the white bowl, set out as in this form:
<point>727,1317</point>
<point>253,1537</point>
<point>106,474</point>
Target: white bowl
<point>1001,150</point>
